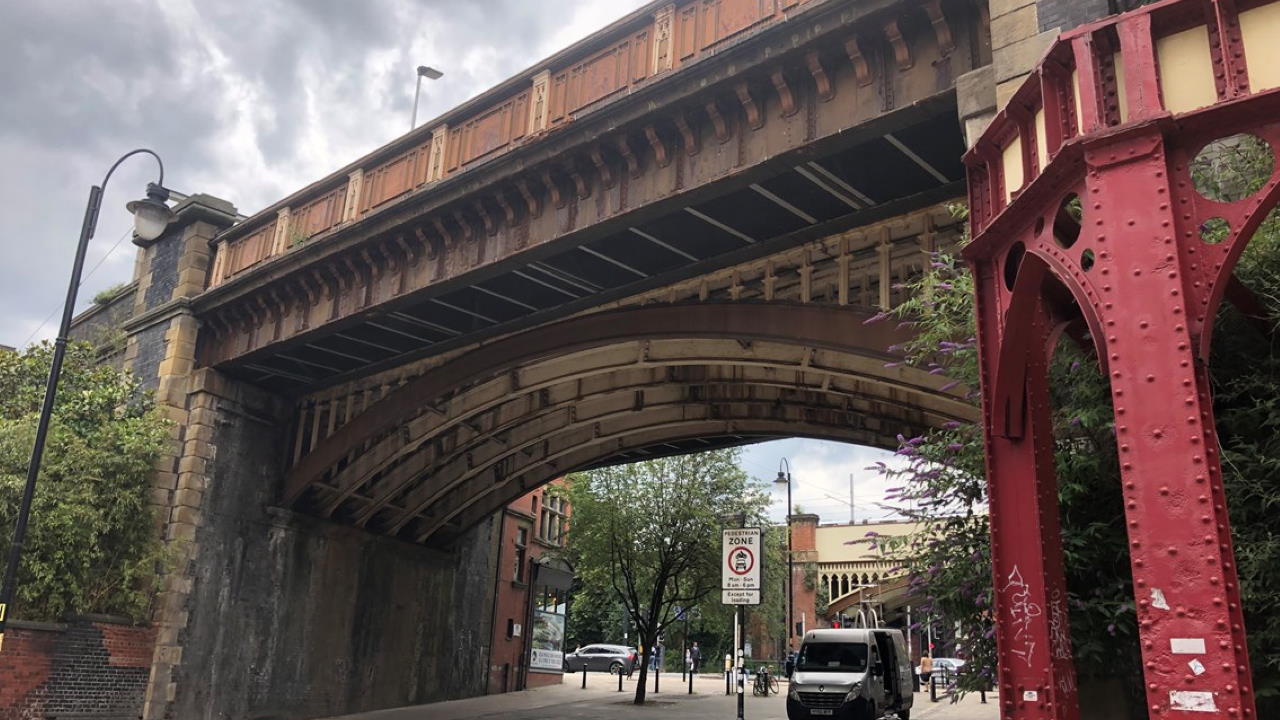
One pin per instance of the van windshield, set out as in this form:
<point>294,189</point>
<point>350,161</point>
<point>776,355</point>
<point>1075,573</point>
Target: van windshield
<point>833,657</point>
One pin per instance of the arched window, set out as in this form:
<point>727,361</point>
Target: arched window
<point>875,579</point>
<point>844,584</point>
<point>865,579</point>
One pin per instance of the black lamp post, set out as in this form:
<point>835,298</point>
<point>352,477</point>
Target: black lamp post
<point>150,217</point>
<point>785,477</point>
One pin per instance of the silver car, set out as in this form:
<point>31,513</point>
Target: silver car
<point>614,659</point>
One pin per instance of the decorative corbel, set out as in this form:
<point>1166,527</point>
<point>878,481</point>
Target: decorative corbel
<point>449,239</point>
<point>580,183</point>
<point>410,254</point>
<point>755,118</point>
<point>602,167</point>
<point>861,70</point>
<point>312,293</point>
<point>826,90</point>
<point>941,29</point>
<point>347,280</point>
<point>530,201</point>
<point>659,146</point>
<point>428,248</point>
<point>633,163</point>
<point>785,95</point>
<point>508,212</point>
<point>901,52</point>
<point>557,198</point>
<point>375,268</point>
<point>688,135</point>
<point>468,233</point>
<point>490,226</point>
<point>718,121</point>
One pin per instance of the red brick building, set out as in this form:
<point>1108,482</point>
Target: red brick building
<point>530,592</point>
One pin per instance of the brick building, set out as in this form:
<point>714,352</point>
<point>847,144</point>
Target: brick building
<point>530,592</point>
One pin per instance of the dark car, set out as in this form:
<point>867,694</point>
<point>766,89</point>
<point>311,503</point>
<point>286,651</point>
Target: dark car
<point>612,658</point>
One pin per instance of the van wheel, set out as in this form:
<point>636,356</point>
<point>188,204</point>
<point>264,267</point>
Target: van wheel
<point>615,668</point>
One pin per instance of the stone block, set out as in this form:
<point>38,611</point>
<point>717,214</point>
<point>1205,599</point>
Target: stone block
<point>1006,90</point>
<point>161,497</point>
<point>1004,7</point>
<point>199,449</point>
<point>181,531</point>
<point>187,515</point>
<point>1020,57</point>
<point>973,129</point>
<point>1014,27</point>
<point>193,464</point>
<point>188,498</point>
<point>976,92</point>
<point>192,481</point>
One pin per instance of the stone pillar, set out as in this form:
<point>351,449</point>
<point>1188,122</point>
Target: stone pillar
<point>160,351</point>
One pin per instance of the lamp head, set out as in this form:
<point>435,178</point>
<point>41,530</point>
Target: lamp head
<point>429,73</point>
<point>782,478</point>
<point>151,215</point>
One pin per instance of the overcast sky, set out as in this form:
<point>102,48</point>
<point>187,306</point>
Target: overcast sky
<point>244,100</point>
<point>250,101</point>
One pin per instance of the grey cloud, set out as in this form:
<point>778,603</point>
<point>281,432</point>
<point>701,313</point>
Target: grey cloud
<point>227,93</point>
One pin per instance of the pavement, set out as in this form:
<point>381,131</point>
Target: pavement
<point>601,700</point>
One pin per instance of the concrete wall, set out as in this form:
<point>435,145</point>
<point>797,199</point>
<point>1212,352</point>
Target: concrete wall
<point>87,665</point>
<point>291,617</point>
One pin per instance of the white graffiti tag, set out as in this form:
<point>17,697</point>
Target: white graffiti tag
<point>1023,612</point>
<point>1059,636</point>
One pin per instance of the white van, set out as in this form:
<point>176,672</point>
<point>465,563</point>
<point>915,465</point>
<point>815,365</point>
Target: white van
<point>855,674</point>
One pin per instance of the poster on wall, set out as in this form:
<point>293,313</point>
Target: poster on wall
<point>548,641</point>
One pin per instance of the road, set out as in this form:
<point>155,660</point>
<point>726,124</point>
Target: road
<point>602,701</point>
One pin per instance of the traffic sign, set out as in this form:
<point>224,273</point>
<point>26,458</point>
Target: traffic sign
<point>740,560</point>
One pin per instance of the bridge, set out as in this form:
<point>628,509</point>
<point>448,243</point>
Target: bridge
<point>673,235</point>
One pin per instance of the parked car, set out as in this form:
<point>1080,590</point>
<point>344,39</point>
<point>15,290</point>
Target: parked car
<point>851,674</point>
<point>611,658</point>
<point>946,668</point>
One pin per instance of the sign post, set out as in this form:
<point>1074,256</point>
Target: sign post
<point>740,559</point>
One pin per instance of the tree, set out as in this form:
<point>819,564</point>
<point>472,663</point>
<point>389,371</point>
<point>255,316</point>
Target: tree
<point>91,545</point>
<point>650,531</point>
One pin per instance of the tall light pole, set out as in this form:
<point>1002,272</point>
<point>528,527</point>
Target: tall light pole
<point>150,217</point>
<point>429,73</point>
<point>786,478</point>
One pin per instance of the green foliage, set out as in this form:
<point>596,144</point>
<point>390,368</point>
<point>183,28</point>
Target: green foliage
<point>105,296</point>
<point>646,537</point>
<point>91,545</point>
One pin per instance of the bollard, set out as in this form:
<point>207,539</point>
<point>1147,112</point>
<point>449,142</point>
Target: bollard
<point>727,691</point>
<point>933,687</point>
<point>691,679</point>
<point>619,679</point>
<point>656,674</point>
<point>584,676</point>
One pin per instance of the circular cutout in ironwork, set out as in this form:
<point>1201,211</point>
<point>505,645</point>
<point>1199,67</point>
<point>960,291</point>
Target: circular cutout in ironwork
<point>1066,222</point>
<point>1012,261</point>
<point>1086,260</point>
<point>1232,168</point>
<point>1214,230</point>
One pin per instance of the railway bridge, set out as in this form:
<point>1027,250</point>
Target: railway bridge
<point>670,236</point>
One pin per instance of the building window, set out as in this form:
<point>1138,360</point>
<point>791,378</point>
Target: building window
<point>551,523</point>
<point>522,553</point>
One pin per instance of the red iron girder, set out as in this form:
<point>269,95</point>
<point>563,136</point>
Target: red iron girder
<point>1100,123</point>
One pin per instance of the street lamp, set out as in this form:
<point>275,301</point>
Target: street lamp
<point>150,217</point>
<point>785,477</point>
<point>429,73</point>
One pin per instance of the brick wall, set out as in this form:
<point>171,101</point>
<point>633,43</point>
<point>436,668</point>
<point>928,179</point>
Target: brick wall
<point>88,665</point>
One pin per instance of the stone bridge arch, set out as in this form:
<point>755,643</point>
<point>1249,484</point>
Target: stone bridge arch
<point>440,452</point>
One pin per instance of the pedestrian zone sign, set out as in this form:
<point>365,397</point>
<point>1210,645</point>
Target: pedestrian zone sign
<point>740,560</point>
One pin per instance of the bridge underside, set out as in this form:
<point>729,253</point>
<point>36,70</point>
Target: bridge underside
<point>899,163</point>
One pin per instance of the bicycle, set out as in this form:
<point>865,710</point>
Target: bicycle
<point>765,682</point>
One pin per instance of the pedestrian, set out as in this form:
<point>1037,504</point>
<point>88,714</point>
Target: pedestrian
<point>926,668</point>
<point>789,665</point>
<point>695,657</point>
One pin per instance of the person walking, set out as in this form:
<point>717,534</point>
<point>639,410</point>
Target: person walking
<point>695,657</point>
<point>926,669</point>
